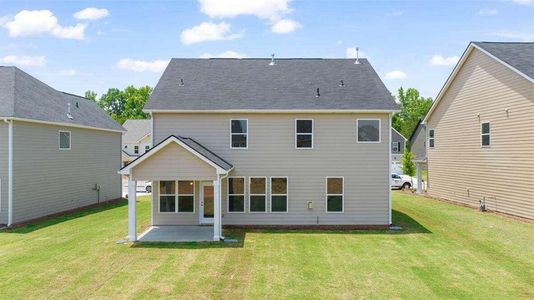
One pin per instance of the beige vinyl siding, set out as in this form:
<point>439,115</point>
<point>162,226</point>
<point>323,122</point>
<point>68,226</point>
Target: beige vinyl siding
<point>3,171</point>
<point>271,152</point>
<point>463,171</point>
<point>48,180</point>
<point>174,162</point>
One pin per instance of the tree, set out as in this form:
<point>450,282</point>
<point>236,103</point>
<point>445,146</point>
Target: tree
<point>125,104</point>
<point>413,108</point>
<point>408,166</point>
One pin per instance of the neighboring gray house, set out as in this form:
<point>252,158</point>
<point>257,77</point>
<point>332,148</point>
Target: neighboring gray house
<point>398,144</point>
<point>136,140</point>
<point>417,145</point>
<point>251,142</point>
<point>55,149</point>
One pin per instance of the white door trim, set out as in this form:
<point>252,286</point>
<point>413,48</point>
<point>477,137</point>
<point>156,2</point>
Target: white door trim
<point>203,220</point>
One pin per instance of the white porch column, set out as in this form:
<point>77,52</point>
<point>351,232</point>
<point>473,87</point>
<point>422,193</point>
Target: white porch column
<point>132,214</point>
<point>217,210</point>
<point>419,178</point>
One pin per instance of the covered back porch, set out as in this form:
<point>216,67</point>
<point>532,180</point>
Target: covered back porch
<point>186,196</point>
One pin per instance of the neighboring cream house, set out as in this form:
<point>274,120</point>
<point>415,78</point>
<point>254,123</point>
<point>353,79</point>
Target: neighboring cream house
<point>257,142</point>
<point>57,151</point>
<point>136,140</point>
<point>480,130</point>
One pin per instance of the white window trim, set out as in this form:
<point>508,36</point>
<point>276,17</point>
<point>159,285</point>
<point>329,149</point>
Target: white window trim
<point>433,138</point>
<point>271,195</point>
<point>232,134</point>
<point>59,140</point>
<point>312,133</point>
<point>228,195</point>
<point>176,198</point>
<point>379,132</point>
<point>342,195</point>
<point>483,134</point>
<point>250,195</point>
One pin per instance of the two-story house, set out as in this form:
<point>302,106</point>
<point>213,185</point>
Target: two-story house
<point>258,142</point>
<point>136,140</point>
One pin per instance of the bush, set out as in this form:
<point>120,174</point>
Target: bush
<point>408,166</point>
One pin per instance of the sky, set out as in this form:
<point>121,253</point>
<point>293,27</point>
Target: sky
<point>76,46</point>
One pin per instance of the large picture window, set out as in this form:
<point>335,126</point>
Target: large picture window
<point>334,194</point>
<point>368,131</point>
<point>177,196</point>
<point>64,140</point>
<point>304,134</point>
<point>239,134</point>
<point>485,134</point>
<point>431,137</point>
<point>236,194</point>
<point>278,194</point>
<point>257,198</point>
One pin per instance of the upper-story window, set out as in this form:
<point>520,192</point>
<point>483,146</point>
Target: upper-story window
<point>64,140</point>
<point>395,147</point>
<point>239,138</point>
<point>485,133</point>
<point>147,147</point>
<point>136,149</point>
<point>431,137</point>
<point>304,134</point>
<point>368,130</point>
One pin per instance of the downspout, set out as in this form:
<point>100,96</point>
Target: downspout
<point>220,178</point>
<point>10,173</point>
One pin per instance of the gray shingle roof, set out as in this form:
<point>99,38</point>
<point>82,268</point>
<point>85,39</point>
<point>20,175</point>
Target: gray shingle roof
<point>136,129</point>
<point>206,153</point>
<point>517,55</point>
<point>23,96</point>
<point>291,84</point>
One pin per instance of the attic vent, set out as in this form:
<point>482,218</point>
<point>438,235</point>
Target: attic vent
<point>68,111</point>
<point>273,62</point>
<point>357,62</point>
<point>341,83</point>
<point>182,82</point>
<point>318,94</point>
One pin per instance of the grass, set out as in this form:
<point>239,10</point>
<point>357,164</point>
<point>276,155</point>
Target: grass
<point>445,251</point>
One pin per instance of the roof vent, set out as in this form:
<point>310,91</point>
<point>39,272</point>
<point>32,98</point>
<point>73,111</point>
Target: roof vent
<point>357,62</point>
<point>341,83</point>
<point>318,94</point>
<point>68,111</point>
<point>273,62</point>
<point>182,82</point>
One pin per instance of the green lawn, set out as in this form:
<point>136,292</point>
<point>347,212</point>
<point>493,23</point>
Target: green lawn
<point>446,251</point>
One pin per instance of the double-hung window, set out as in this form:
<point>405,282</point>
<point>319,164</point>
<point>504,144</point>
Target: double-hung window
<point>304,134</point>
<point>177,196</point>
<point>278,194</point>
<point>368,131</point>
<point>395,147</point>
<point>239,134</point>
<point>431,137</point>
<point>64,140</point>
<point>485,134</point>
<point>136,149</point>
<point>334,194</point>
<point>147,147</point>
<point>236,194</point>
<point>257,198</point>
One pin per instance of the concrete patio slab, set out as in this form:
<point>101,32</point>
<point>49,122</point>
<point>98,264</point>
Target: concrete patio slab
<point>177,234</point>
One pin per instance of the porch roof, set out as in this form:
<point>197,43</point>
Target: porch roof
<point>195,148</point>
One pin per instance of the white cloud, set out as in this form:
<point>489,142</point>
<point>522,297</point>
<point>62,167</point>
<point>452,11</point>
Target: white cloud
<point>514,35</point>
<point>488,12</point>
<point>28,61</point>
<point>285,26</point>
<point>141,65</point>
<point>225,54</point>
<point>91,13</point>
<point>439,60</point>
<point>41,22</point>
<point>351,53</point>
<point>68,72</point>
<point>396,75</point>
<point>208,31</point>
<point>524,2</point>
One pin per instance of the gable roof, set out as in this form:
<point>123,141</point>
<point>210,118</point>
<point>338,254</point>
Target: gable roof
<point>24,97</point>
<point>254,85</point>
<point>519,57</point>
<point>395,132</point>
<point>136,130</point>
<point>416,130</point>
<point>221,165</point>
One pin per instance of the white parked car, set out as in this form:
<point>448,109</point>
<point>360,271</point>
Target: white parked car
<point>400,181</point>
<point>145,186</point>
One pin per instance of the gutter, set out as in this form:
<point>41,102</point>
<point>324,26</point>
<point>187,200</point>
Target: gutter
<point>10,173</point>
